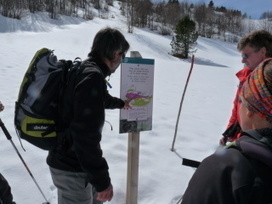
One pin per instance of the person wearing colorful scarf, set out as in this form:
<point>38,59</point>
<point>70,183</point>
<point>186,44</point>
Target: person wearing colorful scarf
<point>240,173</point>
<point>254,47</point>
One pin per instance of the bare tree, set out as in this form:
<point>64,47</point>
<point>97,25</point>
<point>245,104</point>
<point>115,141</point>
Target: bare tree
<point>88,14</point>
<point>266,24</point>
<point>143,9</point>
<point>185,8</point>
<point>221,22</point>
<point>234,21</point>
<point>96,4</point>
<point>266,14</point>
<point>210,22</point>
<point>151,20</point>
<point>109,2</point>
<point>161,18</point>
<point>51,7</point>
<point>249,26</point>
<point>173,12</point>
<point>200,16</point>
<point>130,14</point>
<point>12,8</point>
<point>32,6</point>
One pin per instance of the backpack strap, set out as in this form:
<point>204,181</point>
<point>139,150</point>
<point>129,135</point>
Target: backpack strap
<point>259,137</point>
<point>71,68</point>
<point>254,136</point>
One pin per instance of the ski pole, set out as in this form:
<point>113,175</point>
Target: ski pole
<point>182,99</point>
<point>31,175</point>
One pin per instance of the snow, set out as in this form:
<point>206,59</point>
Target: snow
<point>162,177</point>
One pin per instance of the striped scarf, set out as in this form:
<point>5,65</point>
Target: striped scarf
<point>255,94</point>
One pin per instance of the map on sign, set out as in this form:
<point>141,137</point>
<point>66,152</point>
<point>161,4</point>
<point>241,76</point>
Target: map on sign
<point>137,82</point>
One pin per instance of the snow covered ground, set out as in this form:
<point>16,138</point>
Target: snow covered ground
<point>162,178</point>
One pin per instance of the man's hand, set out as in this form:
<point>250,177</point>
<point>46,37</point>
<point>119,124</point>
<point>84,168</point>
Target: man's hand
<point>127,106</point>
<point>105,195</point>
<point>223,141</point>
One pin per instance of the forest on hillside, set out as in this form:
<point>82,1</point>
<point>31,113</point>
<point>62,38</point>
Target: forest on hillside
<point>211,21</point>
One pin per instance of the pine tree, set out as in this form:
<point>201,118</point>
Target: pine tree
<point>173,1</point>
<point>211,4</point>
<point>185,38</point>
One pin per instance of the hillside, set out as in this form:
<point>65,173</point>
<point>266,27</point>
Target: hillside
<point>162,178</point>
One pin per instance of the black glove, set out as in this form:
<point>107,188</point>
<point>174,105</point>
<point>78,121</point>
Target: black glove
<point>232,131</point>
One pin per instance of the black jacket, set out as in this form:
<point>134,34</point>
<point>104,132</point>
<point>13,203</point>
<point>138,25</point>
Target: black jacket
<point>5,191</point>
<point>82,118</point>
<point>239,174</point>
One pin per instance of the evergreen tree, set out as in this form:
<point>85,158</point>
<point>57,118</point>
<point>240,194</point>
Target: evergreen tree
<point>173,1</point>
<point>211,4</point>
<point>185,38</point>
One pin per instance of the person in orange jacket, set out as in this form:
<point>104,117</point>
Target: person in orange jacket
<point>254,47</point>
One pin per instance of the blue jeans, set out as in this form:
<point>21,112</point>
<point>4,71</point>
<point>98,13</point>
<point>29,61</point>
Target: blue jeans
<point>73,187</point>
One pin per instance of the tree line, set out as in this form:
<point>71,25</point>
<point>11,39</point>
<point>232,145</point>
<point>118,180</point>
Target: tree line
<point>164,17</point>
<point>18,8</point>
<point>211,21</point>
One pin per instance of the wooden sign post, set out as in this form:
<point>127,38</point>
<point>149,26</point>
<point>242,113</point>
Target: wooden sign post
<point>133,160</point>
<point>133,167</point>
<point>137,79</point>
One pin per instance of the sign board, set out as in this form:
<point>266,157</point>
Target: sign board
<point>137,82</point>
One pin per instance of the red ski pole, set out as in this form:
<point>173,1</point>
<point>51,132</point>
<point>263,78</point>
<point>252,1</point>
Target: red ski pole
<point>182,99</point>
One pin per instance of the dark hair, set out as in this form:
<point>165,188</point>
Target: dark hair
<point>257,40</point>
<point>106,42</point>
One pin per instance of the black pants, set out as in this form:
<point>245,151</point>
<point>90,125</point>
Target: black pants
<point>5,191</point>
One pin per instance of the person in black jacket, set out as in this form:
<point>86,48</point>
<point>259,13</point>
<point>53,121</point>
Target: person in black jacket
<point>1,106</point>
<point>5,190</point>
<point>77,166</point>
<point>241,172</point>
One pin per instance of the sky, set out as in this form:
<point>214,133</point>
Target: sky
<point>162,177</point>
<point>253,8</point>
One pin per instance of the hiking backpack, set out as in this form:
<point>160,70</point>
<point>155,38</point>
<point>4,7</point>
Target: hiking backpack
<point>37,107</point>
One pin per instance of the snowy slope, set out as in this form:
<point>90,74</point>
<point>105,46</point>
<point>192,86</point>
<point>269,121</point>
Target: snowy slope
<point>204,116</point>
